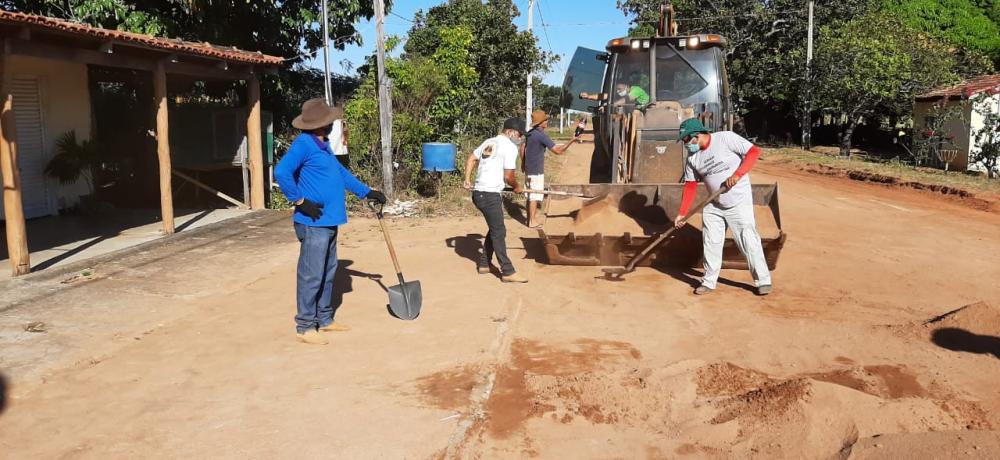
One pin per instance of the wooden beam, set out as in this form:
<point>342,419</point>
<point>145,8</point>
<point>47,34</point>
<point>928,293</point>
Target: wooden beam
<point>255,149</point>
<point>208,70</point>
<point>17,235</point>
<point>211,190</point>
<point>163,147</point>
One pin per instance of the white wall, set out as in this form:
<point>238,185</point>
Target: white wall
<point>65,107</point>
<point>991,104</point>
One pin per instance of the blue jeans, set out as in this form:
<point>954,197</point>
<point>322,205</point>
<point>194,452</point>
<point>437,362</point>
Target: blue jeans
<point>314,283</point>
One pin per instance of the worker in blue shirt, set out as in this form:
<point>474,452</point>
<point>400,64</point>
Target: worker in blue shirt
<point>314,180</point>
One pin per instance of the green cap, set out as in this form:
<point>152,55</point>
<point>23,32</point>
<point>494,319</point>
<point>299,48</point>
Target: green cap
<point>690,127</point>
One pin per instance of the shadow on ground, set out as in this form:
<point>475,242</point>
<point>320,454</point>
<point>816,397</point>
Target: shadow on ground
<point>343,282</point>
<point>956,339</point>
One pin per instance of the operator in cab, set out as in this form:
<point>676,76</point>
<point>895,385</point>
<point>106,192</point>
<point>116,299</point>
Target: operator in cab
<point>722,159</point>
<point>624,94</point>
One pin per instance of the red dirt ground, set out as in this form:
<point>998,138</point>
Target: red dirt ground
<point>186,350</point>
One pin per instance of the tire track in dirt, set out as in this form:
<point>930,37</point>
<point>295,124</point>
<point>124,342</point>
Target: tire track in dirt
<point>481,393</point>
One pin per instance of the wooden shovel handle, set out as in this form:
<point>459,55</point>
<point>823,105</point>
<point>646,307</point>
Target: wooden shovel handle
<point>388,240</point>
<point>641,256</point>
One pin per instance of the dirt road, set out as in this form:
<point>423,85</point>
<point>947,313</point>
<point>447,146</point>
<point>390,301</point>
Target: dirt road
<point>186,349</point>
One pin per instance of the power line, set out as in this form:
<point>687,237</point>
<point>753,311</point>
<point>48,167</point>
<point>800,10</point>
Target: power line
<point>393,13</point>
<point>545,31</point>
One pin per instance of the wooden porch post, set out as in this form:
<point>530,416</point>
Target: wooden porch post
<point>163,147</point>
<point>254,148</point>
<point>17,235</point>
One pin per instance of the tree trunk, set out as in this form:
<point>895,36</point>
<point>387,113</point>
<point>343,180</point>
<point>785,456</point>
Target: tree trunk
<point>845,137</point>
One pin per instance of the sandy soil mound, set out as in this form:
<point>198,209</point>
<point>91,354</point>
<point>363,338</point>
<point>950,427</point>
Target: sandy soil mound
<point>974,328</point>
<point>979,317</point>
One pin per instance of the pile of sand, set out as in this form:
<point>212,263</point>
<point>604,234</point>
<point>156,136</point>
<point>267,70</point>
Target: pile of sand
<point>978,317</point>
<point>626,398</point>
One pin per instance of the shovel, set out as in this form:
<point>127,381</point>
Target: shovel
<point>405,298</point>
<point>549,192</point>
<point>616,273</point>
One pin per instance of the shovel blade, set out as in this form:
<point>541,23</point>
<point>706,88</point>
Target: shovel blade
<point>405,300</point>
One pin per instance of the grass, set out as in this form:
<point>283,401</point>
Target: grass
<point>975,183</point>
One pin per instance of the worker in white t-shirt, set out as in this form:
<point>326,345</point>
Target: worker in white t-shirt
<point>717,159</point>
<point>497,158</point>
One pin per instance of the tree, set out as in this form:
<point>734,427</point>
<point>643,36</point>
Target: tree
<point>766,42</point>
<point>501,56</point>
<point>429,93</point>
<point>547,98</point>
<point>972,24</point>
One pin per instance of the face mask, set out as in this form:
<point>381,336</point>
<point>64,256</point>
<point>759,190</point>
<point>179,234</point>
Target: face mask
<point>622,92</point>
<point>517,140</point>
<point>693,147</point>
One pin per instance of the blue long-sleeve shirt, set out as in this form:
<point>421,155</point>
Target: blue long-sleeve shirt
<point>308,170</point>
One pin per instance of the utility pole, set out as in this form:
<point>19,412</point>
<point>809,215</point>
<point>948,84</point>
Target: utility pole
<point>806,121</point>
<point>527,103</point>
<point>326,55</point>
<point>384,100</point>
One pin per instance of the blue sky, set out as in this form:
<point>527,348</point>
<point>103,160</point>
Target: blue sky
<point>571,23</point>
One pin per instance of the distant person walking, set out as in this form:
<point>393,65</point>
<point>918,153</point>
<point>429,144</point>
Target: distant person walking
<point>723,159</point>
<point>314,180</point>
<point>534,160</point>
<point>497,160</point>
<point>581,126</point>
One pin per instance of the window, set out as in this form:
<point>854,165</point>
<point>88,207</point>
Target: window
<point>677,80</point>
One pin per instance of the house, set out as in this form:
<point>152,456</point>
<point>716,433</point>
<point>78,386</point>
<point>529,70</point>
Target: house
<point>48,89</point>
<point>973,98</point>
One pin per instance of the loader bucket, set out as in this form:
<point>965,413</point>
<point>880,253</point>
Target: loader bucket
<point>611,228</point>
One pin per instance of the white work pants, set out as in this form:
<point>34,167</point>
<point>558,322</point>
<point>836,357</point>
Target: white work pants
<point>740,220</point>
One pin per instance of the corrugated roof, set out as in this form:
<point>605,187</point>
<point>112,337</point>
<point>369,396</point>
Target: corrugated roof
<point>173,45</point>
<point>965,89</point>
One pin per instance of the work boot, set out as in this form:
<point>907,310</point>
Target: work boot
<point>312,337</point>
<point>702,290</point>
<point>514,278</point>
<point>764,289</point>
<point>483,269</point>
<point>335,327</point>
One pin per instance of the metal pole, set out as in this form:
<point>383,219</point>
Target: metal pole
<point>807,110</point>
<point>527,103</point>
<point>562,113</point>
<point>384,100</point>
<point>326,54</point>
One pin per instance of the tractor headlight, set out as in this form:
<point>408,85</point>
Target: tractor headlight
<point>693,42</point>
<point>636,44</point>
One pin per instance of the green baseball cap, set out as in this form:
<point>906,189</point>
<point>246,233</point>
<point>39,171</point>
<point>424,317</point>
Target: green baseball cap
<point>690,127</point>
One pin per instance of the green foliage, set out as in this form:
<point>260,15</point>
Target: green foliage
<point>500,54</point>
<point>547,98</point>
<point>876,65</point>
<point>461,74</point>
<point>429,96</point>
<point>74,160</point>
<point>972,24</point>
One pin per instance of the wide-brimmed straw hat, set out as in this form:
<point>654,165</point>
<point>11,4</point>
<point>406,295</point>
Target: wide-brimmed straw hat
<point>317,114</point>
<point>538,117</point>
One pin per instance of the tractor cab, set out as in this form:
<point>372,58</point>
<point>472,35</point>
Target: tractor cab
<point>651,84</point>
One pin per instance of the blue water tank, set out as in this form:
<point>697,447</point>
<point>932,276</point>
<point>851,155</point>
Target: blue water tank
<point>439,156</point>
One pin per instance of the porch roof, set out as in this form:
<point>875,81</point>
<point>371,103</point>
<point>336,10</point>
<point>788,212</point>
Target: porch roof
<point>41,36</point>
<point>965,89</point>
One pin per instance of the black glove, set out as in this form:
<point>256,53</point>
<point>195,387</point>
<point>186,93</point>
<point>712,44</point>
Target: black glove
<point>310,208</point>
<point>376,196</point>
